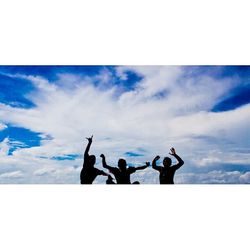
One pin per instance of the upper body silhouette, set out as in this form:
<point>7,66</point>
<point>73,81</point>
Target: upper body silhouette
<point>122,173</point>
<point>89,172</point>
<point>167,172</point>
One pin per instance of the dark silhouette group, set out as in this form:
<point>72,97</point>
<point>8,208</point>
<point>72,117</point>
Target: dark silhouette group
<point>122,173</point>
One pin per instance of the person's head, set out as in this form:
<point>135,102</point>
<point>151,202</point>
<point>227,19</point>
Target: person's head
<point>167,162</point>
<point>122,164</point>
<point>92,160</point>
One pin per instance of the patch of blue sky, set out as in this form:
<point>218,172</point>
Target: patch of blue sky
<point>239,94</point>
<point>217,72</point>
<point>14,91</point>
<point>131,80</point>
<point>20,138</point>
<point>238,97</point>
<point>127,83</point>
<point>51,72</point>
<point>70,157</point>
<point>14,146</point>
<point>196,71</point>
<point>224,167</point>
<point>22,87</point>
<point>241,71</point>
<point>243,168</point>
<point>133,154</point>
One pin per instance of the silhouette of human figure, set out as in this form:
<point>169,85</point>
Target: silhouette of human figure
<point>167,172</point>
<point>89,172</point>
<point>110,180</point>
<point>122,173</point>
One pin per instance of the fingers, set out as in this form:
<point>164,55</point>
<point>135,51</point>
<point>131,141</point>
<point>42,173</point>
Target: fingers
<point>172,151</point>
<point>90,138</point>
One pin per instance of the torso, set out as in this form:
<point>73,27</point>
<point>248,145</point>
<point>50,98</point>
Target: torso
<point>123,177</point>
<point>167,175</point>
<point>88,174</point>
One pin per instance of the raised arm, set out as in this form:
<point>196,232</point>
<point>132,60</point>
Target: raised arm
<point>104,164</point>
<point>103,173</point>
<point>143,167</point>
<point>86,153</point>
<point>154,166</point>
<point>178,158</point>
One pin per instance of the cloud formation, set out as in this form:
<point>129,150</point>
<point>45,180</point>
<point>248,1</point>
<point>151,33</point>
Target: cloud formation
<point>161,107</point>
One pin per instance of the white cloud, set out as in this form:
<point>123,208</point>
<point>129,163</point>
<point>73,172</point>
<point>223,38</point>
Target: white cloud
<point>74,107</point>
<point>215,177</point>
<point>15,174</point>
<point>2,126</point>
<point>4,147</point>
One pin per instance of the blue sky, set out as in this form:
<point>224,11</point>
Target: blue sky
<point>134,112</point>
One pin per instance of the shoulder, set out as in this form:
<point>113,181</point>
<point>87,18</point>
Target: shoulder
<point>131,169</point>
<point>114,169</point>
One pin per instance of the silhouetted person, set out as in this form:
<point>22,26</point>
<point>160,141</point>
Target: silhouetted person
<point>167,172</point>
<point>89,172</point>
<point>122,173</point>
<point>110,180</point>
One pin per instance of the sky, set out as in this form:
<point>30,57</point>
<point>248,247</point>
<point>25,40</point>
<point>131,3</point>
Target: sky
<point>134,112</point>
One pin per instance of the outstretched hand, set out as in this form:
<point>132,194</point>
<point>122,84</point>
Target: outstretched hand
<point>157,158</point>
<point>172,151</point>
<point>147,164</point>
<point>102,156</point>
<point>90,138</point>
